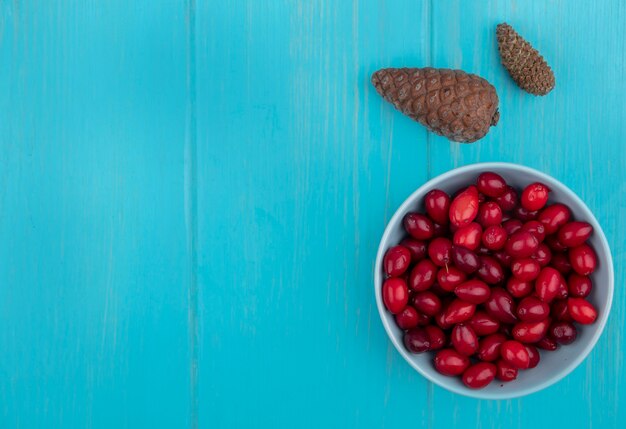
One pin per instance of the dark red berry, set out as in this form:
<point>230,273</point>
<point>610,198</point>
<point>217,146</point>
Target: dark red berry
<point>508,200</point>
<point>505,371</point>
<point>494,237</point>
<point>468,236</point>
<point>534,196</point>
<point>422,275</point>
<point>439,251</point>
<point>491,184</point>
<point>464,339</point>
<point>396,260</point>
<point>407,318</point>
<point>563,332</point>
<point>450,362</point>
<point>553,217</point>
<point>579,286</point>
<point>583,259</point>
<point>479,375</point>
<point>521,244</point>
<point>437,204</point>
<point>416,340</point>
<point>489,214</point>
<point>574,234</point>
<point>395,294</point>
<point>426,302</point>
<point>417,248</point>
<point>418,226</point>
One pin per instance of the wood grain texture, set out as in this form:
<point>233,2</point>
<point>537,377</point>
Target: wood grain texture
<point>93,278</point>
<point>192,195</point>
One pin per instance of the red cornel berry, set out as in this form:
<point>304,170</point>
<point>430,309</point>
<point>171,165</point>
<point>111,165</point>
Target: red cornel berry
<point>483,278</point>
<point>464,207</point>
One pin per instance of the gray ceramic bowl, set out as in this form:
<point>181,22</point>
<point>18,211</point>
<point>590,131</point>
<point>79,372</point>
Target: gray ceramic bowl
<point>553,365</point>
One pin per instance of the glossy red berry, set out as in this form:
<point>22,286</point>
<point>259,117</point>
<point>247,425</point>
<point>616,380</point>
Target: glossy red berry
<point>418,226</point>
<point>491,184</point>
<point>426,302</point>
<point>440,230</point>
<point>505,371</point>
<point>533,355</point>
<point>563,332</point>
<point>436,336</point>
<point>489,347</point>
<point>465,260</point>
<point>511,226</point>
<point>479,375</point>
<point>530,332</point>
<point>525,215</point>
<point>450,277</point>
<point>417,248</point>
<point>483,324</point>
<point>422,275</point>
<point>547,343</point>
<point>473,291</point>
<point>515,353</point>
<point>501,306</point>
<point>548,283</point>
<point>489,214</point>
<point>459,311</point>
<point>582,311</point>
<point>574,234</point>
<point>560,262</point>
<point>526,269</point>
<point>416,340</point>
<point>543,255</point>
<point>503,258</point>
<point>579,286</point>
<point>450,362</point>
<point>553,217</point>
<point>531,309</point>
<point>583,259</point>
<point>464,339</point>
<point>437,204</point>
<point>536,228</point>
<point>464,207</point>
<point>395,294</point>
<point>439,251</point>
<point>468,236</point>
<point>559,311</point>
<point>490,270</point>
<point>534,196</point>
<point>494,237</point>
<point>519,288</point>
<point>396,260</point>
<point>508,200</point>
<point>555,245</point>
<point>407,318</point>
<point>521,244</point>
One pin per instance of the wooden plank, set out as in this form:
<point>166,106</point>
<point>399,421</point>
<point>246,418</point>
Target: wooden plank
<point>571,134</point>
<point>300,165</point>
<point>93,261</point>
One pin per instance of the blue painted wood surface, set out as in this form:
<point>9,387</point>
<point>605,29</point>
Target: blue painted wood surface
<point>192,195</point>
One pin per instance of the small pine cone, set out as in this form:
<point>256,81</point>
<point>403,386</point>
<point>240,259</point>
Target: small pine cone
<point>523,62</point>
<point>451,103</point>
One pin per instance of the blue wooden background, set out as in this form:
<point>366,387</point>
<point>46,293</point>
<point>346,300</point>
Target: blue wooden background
<point>192,194</point>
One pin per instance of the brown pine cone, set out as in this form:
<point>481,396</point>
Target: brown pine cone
<point>451,103</point>
<point>523,62</point>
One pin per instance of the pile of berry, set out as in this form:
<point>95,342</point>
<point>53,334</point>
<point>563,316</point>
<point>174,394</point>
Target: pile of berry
<point>485,278</point>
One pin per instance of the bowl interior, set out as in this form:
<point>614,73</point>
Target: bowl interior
<point>553,365</point>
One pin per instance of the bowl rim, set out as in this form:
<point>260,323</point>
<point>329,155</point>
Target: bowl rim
<point>586,214</point>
